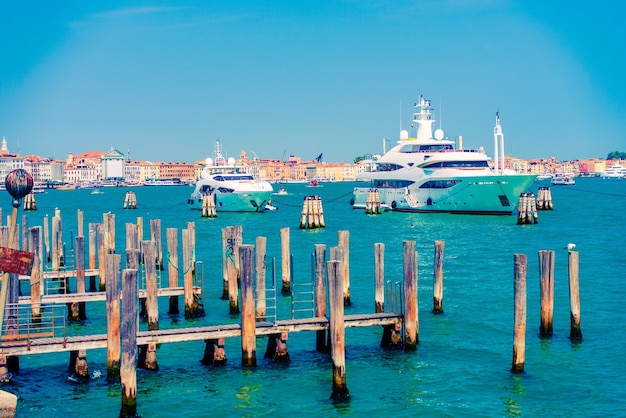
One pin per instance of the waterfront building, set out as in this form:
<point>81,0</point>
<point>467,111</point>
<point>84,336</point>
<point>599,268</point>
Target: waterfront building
<point>113,165</point>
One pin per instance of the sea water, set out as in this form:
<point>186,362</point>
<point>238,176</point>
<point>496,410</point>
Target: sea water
<point>462,365</point>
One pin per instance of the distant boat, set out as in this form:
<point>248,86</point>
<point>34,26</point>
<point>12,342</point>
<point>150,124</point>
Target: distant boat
<point>97,191</point>
<point>563,179</point>
<point>544,176</point>
<point>281,191</point>
<point>615,170</point>
<point>314,183</point>
<point>164,182</point>
<point>232,189</point>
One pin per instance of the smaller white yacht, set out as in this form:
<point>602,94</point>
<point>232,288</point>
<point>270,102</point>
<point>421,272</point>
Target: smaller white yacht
<point>563,179</point>
<point>231,188</point>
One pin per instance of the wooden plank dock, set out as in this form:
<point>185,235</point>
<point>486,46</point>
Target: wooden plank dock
<point>88,342</point>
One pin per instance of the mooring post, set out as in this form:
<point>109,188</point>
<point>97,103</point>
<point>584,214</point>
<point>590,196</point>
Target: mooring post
<point>172,266</point>
<point>231,254</point>
<point>411,314</point>
<point>101,255</point>
<point>574,297</point>
<point>438,278</point>
<point>248,323</point>
<point>128,371</point>
<point>260,267</point>
<point>336,329</point>
<point>321,340</point>
<point>36,274</point>
<point>344,242</point>
<point>519,330</point>
<point>152,305</point>
<point>285,253</point>
<point>192,309</point>
<point>112,277</point>
<point>155,236</point>
<point>379,277</point>
<point>546,282</point>
<point>93,235</point>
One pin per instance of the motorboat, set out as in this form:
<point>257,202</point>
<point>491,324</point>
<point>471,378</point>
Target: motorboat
<point>231,187</point>
<point>425,172</point>
<point>563,179</point>
<point>281,191</point>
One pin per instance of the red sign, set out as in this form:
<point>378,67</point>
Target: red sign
<point>15,261</point>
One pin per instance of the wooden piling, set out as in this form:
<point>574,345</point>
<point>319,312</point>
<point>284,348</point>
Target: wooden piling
<point>155,236</point>
<point>109,232</point>
<point>93,234</point>
<point>260,267</point>
<point>171,235</point>
<point>36,274</point>
<point>46,239</point>
<point>379,277</point>
<point>152,305</point>
<point>192,309</point>
<point>438,278</point>
<point>321,340</point>
<point>79,222</point>
<point>112,277</point>
<point>312,213</point>
<point>519,330</point>
<point>336,330</point>
<point>128,372</point>
<point>101,255</point>
<point>285,255</point>
<point>29,202</point>
<point>208,207</point>
<point>546,282</point>
<point>344,243</point>
<point>248,323</point>
<point>130,200</point>
<point>576,334</point>
<point>230,247</point>
<point>80,312</point>
<point>411,318</point>
<point>57,243</point>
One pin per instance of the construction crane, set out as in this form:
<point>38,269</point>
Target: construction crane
<point>319,158</point>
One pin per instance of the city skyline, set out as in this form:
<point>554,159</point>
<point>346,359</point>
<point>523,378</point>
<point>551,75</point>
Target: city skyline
<point>306,78</point>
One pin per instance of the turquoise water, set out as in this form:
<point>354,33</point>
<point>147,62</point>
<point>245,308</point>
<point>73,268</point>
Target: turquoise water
<point>463,360</point>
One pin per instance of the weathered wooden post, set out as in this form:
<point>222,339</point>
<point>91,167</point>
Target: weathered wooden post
<point>46,238</point>
<point>112,277</point>
<point>285,255</point>
<point>321,341</point>
<point>261,305</point>
<point>80,222</point>
<point>231,273</point>
<point>248,323</point>
<point>438,278</point>
<point>519,330</point>
<point>155,235</point>
<point>344,243</point>
<point>93,235</point>
<point>192,309</point>
<point>152,305</point>
<point>36,273</point>
<point>336,329</point>
<point>109,232</point>
<point>379,277</point>
<point>101,255</point>
<point>128,372</point>
<point>79,308</point>
<point>172,266</point>
<point>411,315</point>
<point>546,282</point>
<point>574,297</point>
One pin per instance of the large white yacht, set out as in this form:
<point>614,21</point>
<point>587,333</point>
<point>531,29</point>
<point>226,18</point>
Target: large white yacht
<point>232,189</point>
<point>426,173</point>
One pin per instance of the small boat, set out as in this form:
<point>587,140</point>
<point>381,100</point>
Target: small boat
<point>281,191</point>
<point>563,179</point>
<point>97,191</point>
<point>544,177</point>
<point>314,183</point>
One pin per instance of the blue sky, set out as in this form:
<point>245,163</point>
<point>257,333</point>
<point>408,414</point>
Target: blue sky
<point>165,79</point>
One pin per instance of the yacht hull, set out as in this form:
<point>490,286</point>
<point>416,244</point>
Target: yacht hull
<point>485,195</point>
<point>235,202</point>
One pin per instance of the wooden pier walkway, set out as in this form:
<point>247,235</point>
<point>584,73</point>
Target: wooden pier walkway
<point>47,344</point>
